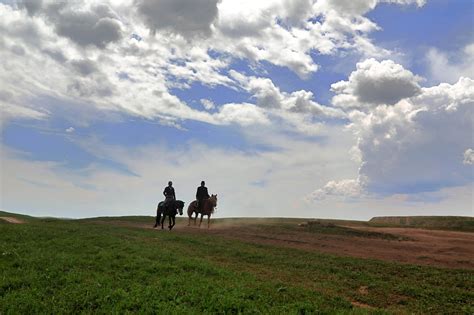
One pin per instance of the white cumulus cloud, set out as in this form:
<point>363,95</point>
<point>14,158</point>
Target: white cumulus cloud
<point>468,157</point>
<point>374,83</point>
<point>345,188</point>
<point>448,67</point>
<point>269,96</point>
<point>414,144</point>
<point>121,66</point>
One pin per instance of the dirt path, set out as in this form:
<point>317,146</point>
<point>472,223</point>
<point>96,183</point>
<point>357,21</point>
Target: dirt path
<point>12,220</point>
<point>424,247</point>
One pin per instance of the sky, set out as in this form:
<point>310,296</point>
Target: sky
<point>286,108</point>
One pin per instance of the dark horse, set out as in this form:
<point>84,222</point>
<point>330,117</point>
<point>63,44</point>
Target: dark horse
<point>207,209</point>
<point>171,211</point>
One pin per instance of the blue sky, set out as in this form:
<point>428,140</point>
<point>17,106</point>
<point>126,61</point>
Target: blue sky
<point>242,100</point>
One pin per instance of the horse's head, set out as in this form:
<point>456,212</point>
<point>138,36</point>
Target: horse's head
<point>213,200</point>
<point>180,206</point>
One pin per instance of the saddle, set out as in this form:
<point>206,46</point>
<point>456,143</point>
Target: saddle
<point>162,206</point>
<point>198,205</point>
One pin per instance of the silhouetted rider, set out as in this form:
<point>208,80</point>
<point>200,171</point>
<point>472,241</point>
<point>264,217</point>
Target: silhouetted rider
<point>169,193</point>
<point>201,195</point>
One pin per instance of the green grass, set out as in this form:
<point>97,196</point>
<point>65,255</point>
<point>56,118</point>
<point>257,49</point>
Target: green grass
<point>56,266</point>
<point>465,224</point>
<point>16,215</point>
<point>345,231</point>
<point>126,219</point>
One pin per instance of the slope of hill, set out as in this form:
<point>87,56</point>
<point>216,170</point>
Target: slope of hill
<point>16,215</point>
<point>107,265</point>
<point>430,222</point>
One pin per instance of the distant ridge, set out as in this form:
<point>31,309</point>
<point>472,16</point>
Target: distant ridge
<point>455,223</point>
<point>432,222</point>
<point>16,215</point>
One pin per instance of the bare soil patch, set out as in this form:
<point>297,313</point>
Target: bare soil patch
<point>12,220</point>
<point>449,249</point>
<point>440,248</point>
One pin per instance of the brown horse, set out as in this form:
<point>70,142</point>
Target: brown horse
<point>206,209</point>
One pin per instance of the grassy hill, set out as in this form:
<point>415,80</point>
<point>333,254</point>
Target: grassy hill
<point>16,215</point>
<point>431,222</point>
<point>71,266</point>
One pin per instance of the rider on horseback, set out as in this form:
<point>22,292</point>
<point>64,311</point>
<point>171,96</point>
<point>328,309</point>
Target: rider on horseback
<point>169,194</point>
<point>201,195</point>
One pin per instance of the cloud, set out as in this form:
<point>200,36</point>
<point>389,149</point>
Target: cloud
<point>84,67</point>
<point>244,114</point>
<point>415,145</point>
<point>187,18</point>
<point>360,7</point>
<point>270,97</point>
<point>10,110</point>
<point>468,157</point>
<point>23,76</point>
<point>207,104</point>
<point>288,31</point>
<point>345,188</point>
<point>357,7</point>
<point>281,32</point>
<point>285,33</point>
<point>98,81</point>
<point>32,7</point>
<point>273,31</point>
<point>448,67</point>
<point>92,190</point>
<point>295,111</point>
<point>97,26</point>
<point>408,139</point>
<point>374,83</point>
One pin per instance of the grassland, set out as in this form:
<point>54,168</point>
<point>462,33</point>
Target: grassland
<point>85,266</point>
<point>430,222</point>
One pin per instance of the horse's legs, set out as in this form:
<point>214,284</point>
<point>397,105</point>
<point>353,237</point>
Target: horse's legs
<point>202,215</point>
<point>174,221</point>
<point>158,216</point>
<point>195,218</point>
<point>208,220</point>
<point>169,221</point>
<point>163,221</point>
<point>190,217</point>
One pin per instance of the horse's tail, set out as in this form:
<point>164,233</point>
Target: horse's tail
<point>159,208</point>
